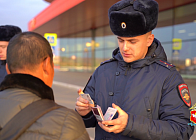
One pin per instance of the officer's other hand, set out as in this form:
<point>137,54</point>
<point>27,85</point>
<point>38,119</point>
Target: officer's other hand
<point>82,106</point>
<point>117,125</point>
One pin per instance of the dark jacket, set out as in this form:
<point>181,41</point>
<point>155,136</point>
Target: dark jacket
<point>146,90</point>
<point>3,72</point>
<point>19,90</point>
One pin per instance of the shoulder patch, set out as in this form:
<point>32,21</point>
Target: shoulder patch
<point>184,94</point>
<point>165,64</point>
<point>107,61</point>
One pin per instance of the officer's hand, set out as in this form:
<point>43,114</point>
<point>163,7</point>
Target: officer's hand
<point>118,124</point>
<point>82,106</point>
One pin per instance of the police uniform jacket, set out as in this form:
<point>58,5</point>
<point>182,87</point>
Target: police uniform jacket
<point>3,72</point>
<point>146,90</point>
<point>20,90</point>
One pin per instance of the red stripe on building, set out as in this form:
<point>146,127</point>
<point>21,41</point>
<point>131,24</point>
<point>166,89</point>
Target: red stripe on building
<point>56,8</point>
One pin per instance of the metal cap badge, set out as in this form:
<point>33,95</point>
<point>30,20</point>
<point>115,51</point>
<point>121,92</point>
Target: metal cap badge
<point>123,25</point>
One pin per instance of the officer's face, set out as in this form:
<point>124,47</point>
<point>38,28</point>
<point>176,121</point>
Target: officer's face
<point>3,49</point>
<point>134,48</point>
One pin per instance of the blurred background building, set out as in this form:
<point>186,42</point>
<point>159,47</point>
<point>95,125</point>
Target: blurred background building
<point>85,39</point>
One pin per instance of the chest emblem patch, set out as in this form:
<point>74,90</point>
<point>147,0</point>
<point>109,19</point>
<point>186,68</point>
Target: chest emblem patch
<point>184,94</point>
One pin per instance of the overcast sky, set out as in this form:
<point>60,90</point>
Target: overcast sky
<point>20,12</point>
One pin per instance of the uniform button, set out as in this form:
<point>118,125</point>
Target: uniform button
<point>111,93</point>
<point>153,55</point>
<point>117,73</point>
<point>148,110</point>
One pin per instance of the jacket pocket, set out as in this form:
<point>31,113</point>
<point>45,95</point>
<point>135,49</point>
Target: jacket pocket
<point>148,108</point>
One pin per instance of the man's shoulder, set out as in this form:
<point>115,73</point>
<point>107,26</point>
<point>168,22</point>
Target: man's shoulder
<point>165,64</point>
<point>107,61</point>
<point>66,112</point>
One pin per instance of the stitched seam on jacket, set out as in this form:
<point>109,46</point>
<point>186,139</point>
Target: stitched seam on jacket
<point>63,123</point>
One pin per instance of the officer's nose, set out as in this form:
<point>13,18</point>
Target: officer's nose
<point>125,46</point>
<point>0,50</point>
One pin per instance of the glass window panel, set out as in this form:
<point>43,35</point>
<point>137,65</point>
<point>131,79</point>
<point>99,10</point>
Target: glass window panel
<point>79,61</point>
<point>80,42</point>
<point>71,43</point>
<point>99,57</point>
<point>185,59</point>
<point>185,31</point>
<point>108,53</point>
<point>168,50</point>
<point>64,60</point>
<point>63,46</point>
<point>72,59</point>
<point>110,41</point>
<point>99,38</point>
<point>163,34</point>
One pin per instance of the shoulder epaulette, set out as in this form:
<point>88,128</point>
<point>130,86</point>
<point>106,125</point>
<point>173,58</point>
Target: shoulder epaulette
<point>107,61</point>
<point>165,64</point>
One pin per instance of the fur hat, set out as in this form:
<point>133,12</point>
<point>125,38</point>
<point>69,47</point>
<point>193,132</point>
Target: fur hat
<point>130,18</point>
<point>8,31</point>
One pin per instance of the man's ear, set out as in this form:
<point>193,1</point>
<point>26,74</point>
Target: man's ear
<point>46,65</point>
<point>150,39</point>
<point>7,69</point>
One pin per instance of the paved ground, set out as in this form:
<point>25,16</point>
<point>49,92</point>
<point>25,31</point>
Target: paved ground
<point>66,84</point>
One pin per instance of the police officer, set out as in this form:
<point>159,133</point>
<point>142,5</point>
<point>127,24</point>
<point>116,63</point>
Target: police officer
<point>6,33</point>
<point>146,90</point>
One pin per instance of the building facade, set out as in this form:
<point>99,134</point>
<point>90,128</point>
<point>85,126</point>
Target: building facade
<point>85,39</point>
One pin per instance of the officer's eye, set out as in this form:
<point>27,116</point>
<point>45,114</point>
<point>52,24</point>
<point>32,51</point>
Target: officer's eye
<point>3,46</point>
<point>120,40</point>
<point>132,42</point>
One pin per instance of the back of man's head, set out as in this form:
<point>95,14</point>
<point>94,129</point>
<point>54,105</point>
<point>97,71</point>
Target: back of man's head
<point>26,50</point>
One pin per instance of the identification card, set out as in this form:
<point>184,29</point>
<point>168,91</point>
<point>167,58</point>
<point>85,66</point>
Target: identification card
<point>87,97</point>
<point>110,113</point>
<point>98,113</point>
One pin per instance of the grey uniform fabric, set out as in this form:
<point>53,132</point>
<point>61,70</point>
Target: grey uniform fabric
<point>19,90</point>
<point>3,72</point>
<point>146,90</point>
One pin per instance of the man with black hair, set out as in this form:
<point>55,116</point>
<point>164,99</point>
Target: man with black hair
<point>30,71</point>
<point>138,81</point>
<point>6,33</point>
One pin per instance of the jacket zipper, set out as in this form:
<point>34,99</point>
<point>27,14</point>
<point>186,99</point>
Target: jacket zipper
<point>128,67</point>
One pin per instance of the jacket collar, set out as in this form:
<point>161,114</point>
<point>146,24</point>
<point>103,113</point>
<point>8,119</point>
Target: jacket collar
<point>2,62</point>
<point>29,83</point>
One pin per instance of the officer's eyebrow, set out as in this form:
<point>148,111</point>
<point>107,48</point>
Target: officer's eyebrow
<point>128,40</point>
